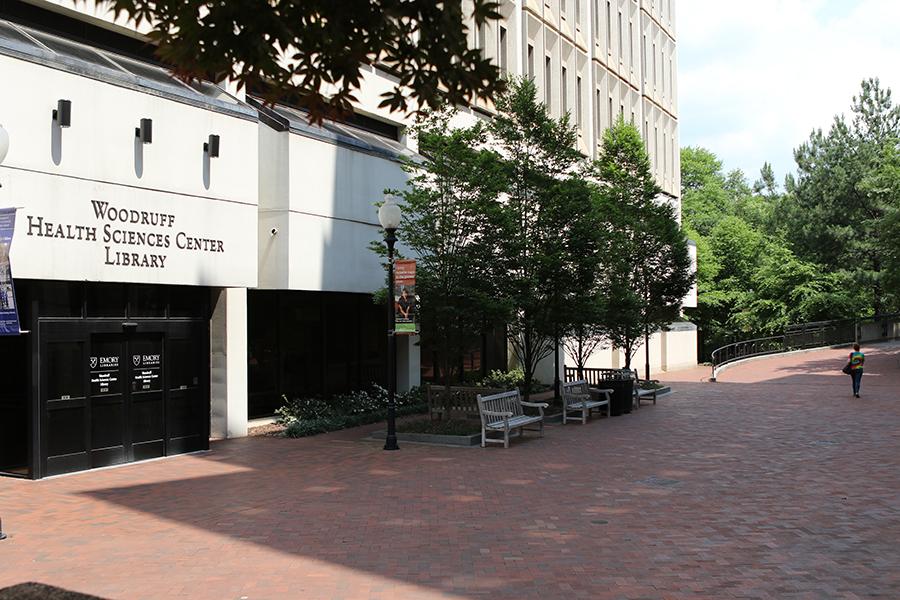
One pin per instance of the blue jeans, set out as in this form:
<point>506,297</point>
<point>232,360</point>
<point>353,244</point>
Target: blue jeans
<point>856,375</point>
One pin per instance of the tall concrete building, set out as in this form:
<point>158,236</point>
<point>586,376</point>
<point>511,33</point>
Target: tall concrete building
<point>597,60</point>
<point>184,257</point>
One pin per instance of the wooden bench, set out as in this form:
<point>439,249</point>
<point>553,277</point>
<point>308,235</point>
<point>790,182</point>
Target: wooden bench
<point>504,412</point>
<point>641,394</point>
<point>577,397</point>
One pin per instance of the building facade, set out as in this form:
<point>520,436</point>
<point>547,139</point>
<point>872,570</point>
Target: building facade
<point>184,256</point>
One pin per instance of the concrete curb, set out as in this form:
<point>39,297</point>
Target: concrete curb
<point>431,438</point>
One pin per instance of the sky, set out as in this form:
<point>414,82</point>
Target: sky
<point>756,77</point>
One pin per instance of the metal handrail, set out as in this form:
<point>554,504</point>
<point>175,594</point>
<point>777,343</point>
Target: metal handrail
<point>800,336</point>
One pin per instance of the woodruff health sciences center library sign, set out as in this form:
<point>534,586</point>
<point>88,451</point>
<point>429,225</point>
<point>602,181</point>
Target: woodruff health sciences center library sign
<point>111,233</point>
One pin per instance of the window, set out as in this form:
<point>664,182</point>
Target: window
<point>563,5</point>
<point>577,16</point>
<point>548,84</point>
<point>622,111</point>
<point>632,117</point>
<point>597,20</point>
<point>665,161</point>
<point>620,37</point>
<point>655,147</point>
<point>644,58</point>
<point>631,45</point>
<point>501,51</point>
<point>578,119</point>
<point>654,65</point>
<point>610,113</point>
<point>608,27</point>
<point>564,91</point>
<point>671,78</point>
<point>530,61</point>
<point>597,127</point>
<point>480,35</point>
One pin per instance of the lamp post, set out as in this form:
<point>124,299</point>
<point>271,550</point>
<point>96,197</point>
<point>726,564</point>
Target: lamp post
<point>389,217</point>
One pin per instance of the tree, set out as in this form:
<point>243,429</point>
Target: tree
<point>837,221</point>
<point>766,183</point>
<point>313,53</point>
<point>549,225</point>
<point>650,272</point>
<point>450,214</point>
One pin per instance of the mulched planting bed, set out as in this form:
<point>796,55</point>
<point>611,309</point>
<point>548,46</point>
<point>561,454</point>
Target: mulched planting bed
<point>452,427</point>
<point>40,591</point>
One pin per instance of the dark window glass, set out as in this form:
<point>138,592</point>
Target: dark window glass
<point>107,425</point>
<point>106,300</point>
<point>146,301</point>
<point>184,364</point>
<point>65,431</point>
<point>341,343</point>
<point>188,302</point>
<point>105,365</point>
<point>146,362</point>
<point>302,342</point>
<point>372,343</point>
<point>14,405</point>
<point>262,351</point>
<point>65,364</point>
<point>56,298</point>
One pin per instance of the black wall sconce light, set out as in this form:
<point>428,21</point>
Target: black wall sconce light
<point>212,146</point>
<point>63,113</point>
<point>145,131</point>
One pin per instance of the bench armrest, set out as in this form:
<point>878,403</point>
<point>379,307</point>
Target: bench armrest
<point>535,404</point>
<point>494,413</point>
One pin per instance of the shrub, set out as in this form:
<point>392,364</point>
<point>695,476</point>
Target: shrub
<point>303,428</point>
<point>506,380</point>
<point>309,416</point>
<point>343,405</point>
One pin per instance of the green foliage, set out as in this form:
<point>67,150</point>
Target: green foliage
<point>648,270</point>
<point>824,248</point>
<point>550,233</point>
<point>314,52</point>
<point>345,405</point>
<point>450,214</point>
<point>505,380</point>
<point>842,194</point>
<point>307,427</point>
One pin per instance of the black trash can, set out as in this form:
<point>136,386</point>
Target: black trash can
<point>622,385</point>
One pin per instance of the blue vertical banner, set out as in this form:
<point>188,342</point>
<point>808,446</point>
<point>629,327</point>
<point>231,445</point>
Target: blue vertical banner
<point>9,314</point>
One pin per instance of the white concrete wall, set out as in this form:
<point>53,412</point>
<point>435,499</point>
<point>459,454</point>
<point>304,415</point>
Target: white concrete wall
<point>228,363</point>
<point>670,350</point>
<point>55,173</point>
<point>320,196</point>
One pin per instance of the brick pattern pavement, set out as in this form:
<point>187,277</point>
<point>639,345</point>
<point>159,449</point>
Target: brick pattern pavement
<point>772,483</point>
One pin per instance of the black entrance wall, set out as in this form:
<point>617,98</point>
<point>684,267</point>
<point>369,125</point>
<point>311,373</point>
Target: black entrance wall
<point>307,344</point>
<point>118,373</point>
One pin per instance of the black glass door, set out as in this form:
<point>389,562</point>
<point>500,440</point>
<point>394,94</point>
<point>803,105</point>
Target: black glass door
<point>110,397</point>
<point>145,404</point>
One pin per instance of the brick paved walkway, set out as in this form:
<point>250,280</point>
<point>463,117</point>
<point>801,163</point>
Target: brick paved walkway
<point>772,483</point>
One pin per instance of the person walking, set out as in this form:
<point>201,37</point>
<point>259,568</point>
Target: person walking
<point>857,359</point>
